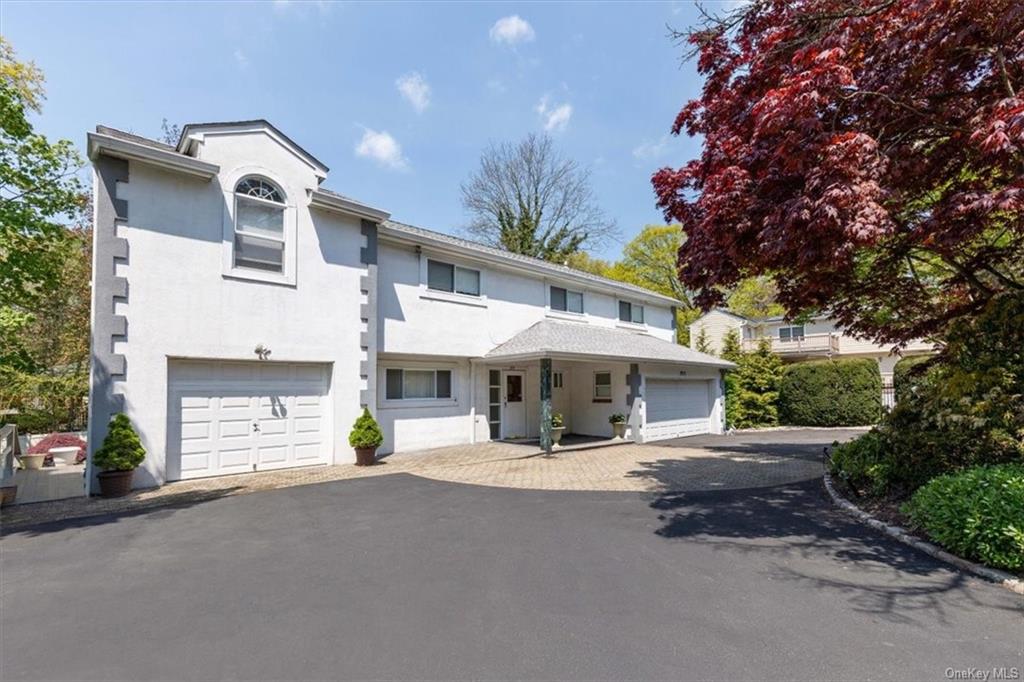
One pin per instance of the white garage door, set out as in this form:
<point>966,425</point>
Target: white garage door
<point>677,408</point>
<point>235,417</point>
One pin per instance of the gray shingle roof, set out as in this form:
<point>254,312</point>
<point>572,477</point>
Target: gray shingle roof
<point>470,245</point>
<point>553,337</point>
<point>132,137</point>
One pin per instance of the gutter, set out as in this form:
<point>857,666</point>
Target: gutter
<point>331,202</point>
<point>107,145</point>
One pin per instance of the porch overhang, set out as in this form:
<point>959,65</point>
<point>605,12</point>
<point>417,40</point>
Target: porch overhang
<point>557,340</point>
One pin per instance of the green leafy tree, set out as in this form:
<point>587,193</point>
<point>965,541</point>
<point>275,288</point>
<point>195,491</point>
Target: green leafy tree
<point>731,349</point>
<point>121,450</point>
<point>702,344</point>
<point>752,389</point>
<point>754,298</point>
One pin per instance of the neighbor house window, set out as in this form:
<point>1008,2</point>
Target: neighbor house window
<point>602,386</point>
<point>631,312</point>
<point>794,333</point>
<point>259,225</point>
<point>566,300</point>
<point>452,278</point>
<point>418,384</point>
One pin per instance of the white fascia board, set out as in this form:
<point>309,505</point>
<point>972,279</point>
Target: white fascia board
<point>589,357</point>
<point>330,202</point>
<point>439,245</point>
<point>99,143</point>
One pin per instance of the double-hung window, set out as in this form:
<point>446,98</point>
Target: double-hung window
<point>631,312</point>
<point>792,333</point>
<point>602,386</point>
<point>259,225</point>
<point>452,278</point>
<point>418,384</point>
<point>566,300</point>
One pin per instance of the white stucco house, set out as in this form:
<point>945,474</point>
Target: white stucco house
<point>243,315</point>
<point>815,338</point>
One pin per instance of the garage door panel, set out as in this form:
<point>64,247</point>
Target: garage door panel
<point>677,408</point>
<point>235,417</point>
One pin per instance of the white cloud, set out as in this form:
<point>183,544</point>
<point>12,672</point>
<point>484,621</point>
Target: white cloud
<point>648,150</point>
<point>555,118</point>
<point>415,89</point>
<point>382,148</point>
<point>511,30</point>
<point>241,59</point>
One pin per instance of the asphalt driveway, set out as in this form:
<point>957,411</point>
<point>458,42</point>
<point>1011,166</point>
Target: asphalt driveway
<point>400,577</point>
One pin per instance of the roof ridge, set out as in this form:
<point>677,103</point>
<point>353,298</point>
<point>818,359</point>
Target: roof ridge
<point>117,132</point>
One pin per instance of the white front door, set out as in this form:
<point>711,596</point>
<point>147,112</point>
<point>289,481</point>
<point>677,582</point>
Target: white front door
<point>234,417</point>
<point>513,405</point>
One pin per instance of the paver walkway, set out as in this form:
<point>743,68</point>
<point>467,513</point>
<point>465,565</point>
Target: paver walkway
<point>747,460</point>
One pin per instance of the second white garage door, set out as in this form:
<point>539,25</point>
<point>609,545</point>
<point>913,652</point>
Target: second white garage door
<point>676,408</point>
<point>237,417</point>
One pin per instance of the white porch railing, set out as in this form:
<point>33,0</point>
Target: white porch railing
<point>803,345</point>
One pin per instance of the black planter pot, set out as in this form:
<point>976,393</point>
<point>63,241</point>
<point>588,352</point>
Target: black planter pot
<point>115,483</point>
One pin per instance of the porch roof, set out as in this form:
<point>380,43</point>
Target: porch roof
<point>553,338</point>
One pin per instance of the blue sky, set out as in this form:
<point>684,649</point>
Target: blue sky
<point>398,99</point>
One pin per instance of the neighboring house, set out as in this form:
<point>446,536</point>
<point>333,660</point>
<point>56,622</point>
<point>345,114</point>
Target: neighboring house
<point>243,315</point>
<point>817,337</point>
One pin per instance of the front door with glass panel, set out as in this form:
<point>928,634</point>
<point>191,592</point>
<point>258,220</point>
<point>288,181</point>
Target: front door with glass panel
<point>513,417</point>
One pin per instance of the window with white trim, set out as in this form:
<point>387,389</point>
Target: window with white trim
<point>566,300</point>
<point>259,242</point>
<point>418,384</point>
<point>602,386</point>
<point>791,333</point>
<point>631,312</point>
<point>455,279</point>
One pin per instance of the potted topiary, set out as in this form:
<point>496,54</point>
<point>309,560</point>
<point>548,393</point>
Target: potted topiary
<point>618,422</point>
<point>366,437</point>
<point>557,427</point>
<point>118,457</point>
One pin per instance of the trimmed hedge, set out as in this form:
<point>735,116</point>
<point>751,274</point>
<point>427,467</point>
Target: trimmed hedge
<point>976,513</point>
<point>831,393</point>
<point>908,373</point>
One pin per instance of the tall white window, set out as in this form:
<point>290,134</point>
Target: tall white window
<point>259,225</point>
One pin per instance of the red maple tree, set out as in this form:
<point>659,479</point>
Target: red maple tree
<point>868,155</point>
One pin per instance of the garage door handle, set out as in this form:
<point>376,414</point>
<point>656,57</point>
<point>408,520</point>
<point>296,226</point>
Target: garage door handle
<point>255,427</point>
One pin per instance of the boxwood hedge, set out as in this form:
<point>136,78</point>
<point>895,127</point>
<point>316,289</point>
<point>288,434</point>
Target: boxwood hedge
<point>831,393</point>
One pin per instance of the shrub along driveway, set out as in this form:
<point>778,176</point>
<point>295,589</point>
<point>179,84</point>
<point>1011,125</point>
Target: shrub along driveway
<point>399,576</point>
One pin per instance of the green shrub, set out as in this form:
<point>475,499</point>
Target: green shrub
<point>831,393</point>
<point>977,513</point>
<point>617,419</point>
<point>908,373</point>
<point>121,450</point>
<point>752,389</point>
<point>864,463</point>
<point>366,432</point>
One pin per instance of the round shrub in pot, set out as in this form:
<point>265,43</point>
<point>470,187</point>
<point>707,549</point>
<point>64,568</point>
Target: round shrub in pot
<point>118,457</point>
<point>366,437</point>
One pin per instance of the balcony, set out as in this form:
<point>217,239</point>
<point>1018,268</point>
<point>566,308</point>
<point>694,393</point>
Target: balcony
<point>810,344</point>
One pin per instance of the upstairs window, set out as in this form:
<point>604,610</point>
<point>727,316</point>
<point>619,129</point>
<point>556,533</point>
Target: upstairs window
<point>792,333</point>
<point>452,278</point>
<point>566,300</point>
<point>631,312</point>
<point>259,225</point>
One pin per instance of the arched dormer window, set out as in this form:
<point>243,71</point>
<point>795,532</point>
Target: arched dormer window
<point>259,225</point>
